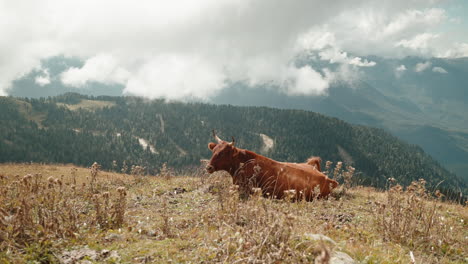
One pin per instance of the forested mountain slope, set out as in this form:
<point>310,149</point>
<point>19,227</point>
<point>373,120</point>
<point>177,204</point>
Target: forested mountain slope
<point>425,106</point>
<point>132,131</point>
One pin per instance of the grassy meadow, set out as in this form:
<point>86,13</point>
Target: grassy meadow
<point>68,214</point>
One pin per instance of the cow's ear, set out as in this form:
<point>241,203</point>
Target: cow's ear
<point>211,146</point>
<point>239,151</point>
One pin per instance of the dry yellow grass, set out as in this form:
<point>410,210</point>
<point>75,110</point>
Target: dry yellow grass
<point>29,113</point>
<point>199,218</point>
<point>89,105</point>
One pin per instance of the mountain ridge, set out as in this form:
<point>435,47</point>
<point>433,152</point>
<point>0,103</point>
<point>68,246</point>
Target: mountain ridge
<point>112,132</point>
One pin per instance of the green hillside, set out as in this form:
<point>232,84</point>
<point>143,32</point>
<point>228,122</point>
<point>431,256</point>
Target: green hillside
<point>133,131</point>
<point>425,108</point>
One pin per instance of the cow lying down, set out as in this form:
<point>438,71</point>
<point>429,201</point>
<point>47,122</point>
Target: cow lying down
<point>250,170</point>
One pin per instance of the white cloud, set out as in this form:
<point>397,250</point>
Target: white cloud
<point>420,42</point>
<point>413,19</point>
<point>459,50</point>
<point>361,63</point>
<point>306,81</point>
<point>184,48</point>
<point>102,68</point>
<point>43,79</point>
<point>387,30</point>
<point>176,77</point>
<point>439,70</point>
<point>400,70</point>
<point>334,55</point>
<point>420,67</point>
<point>315,39</point>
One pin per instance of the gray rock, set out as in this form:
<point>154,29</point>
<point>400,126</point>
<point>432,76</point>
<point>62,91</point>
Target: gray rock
<point>152,233</point>
<point>146,259</point>
<point>113,237</point>
<point>84,255</point>
<point>337,257</point>
<point>78,255</point>
<point>319,237</point>
<point>114,256</point>
<point>341,258</point>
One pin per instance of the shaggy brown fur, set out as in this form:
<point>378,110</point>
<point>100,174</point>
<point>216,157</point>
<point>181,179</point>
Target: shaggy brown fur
<point>315,162</point>
<point>250,170</point>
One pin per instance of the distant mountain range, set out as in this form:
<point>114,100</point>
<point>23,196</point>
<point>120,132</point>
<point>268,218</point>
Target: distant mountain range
<point>427,108</point>
<point>423,101</point>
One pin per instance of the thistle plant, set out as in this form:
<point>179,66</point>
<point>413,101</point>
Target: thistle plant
<point>94,173</point>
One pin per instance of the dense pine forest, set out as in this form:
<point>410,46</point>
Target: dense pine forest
<point>119,132</point>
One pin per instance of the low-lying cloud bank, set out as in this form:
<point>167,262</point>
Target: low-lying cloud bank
<point>192,49</point>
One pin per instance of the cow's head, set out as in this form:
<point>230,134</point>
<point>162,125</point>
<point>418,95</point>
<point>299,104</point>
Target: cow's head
<point>224,155</point>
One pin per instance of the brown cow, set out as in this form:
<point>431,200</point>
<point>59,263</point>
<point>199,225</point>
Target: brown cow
<point>315,162</point>
<point>250,170</point>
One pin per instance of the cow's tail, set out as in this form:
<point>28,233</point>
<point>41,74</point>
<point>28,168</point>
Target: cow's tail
<point>315,162</point>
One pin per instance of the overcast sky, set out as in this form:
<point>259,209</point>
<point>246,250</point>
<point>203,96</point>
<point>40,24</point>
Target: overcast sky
<point>185,48</point>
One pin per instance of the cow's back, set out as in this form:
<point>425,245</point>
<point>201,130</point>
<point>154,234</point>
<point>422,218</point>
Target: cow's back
<point>276,177</point>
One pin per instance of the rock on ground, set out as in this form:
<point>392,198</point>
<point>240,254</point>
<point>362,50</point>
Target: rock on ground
<point>341,258</point>
<point>87,255</point>
<point>337,257</point>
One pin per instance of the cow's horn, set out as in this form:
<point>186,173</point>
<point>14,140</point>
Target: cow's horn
<point>233,142</point>
<point>216,137</point>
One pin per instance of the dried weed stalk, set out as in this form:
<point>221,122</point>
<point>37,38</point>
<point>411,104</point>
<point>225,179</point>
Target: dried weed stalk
<point>94,173</point>
<point>251,231</point>
<point>413,217</point>
<point>36,210</point>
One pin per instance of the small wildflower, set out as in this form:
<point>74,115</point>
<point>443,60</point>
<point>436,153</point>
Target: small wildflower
<point>412,257</point>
